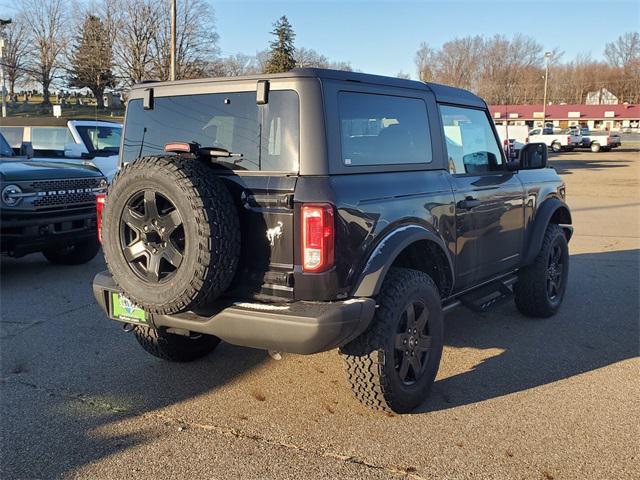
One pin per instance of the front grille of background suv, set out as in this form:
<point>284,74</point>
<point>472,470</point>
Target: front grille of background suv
<point>57,199</point>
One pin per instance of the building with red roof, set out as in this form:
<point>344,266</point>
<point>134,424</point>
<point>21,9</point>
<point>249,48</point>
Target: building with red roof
<point>597,117</point>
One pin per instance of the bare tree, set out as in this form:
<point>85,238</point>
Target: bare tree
<point>309,58</point>
<point>133,28</point>
<point>196,42</point>
<point>425,62</point>
<point>46,21</point>
<point>15,52</point>
<point>234,66</point>
<point>624,55</point>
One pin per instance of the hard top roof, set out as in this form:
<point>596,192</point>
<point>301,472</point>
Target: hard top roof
<point>443,93</point>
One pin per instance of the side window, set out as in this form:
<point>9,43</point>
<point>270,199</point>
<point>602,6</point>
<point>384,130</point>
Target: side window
<point>13,135</point>
<point>50,138</point>
<point>383,130</point>
<point>471,145</point>
<point>535,132</point>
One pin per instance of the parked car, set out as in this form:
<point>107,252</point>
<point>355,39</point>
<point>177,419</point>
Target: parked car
<point>557,141</point>
<point>48,207</point>
<point>85,142</point>
<point>316,209</point>
<point>513,138</point>
<point>597,141</point>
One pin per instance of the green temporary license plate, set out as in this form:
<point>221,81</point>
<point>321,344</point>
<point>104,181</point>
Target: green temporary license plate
<point>123,309</point>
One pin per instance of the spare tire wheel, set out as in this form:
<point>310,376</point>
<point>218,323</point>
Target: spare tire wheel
<point>171,234</point>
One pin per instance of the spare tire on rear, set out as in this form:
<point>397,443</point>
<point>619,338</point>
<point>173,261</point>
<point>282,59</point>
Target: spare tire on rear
<point>170,233</point>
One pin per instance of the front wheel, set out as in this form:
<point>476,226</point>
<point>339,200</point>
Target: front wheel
<point>75,254</point>
<point>172,347</point>
<point>393,364</point>
<point>541,286</point>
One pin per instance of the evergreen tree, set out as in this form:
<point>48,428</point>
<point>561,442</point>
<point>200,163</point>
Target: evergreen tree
<point>281,57</point>
<point>92,59</point>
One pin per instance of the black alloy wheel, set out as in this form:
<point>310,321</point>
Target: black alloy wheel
<point>555,272</point>
<point>412,343</point>
<point>152,236</point>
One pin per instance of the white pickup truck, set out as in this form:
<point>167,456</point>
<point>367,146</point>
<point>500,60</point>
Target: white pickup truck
<point>597,141</point>
<point>89,142</point>
<point>560,140</point>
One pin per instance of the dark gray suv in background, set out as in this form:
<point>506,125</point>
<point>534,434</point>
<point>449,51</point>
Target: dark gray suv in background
<point>317,209</point>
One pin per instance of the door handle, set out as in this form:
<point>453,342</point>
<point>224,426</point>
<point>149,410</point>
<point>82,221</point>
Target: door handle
<point>468,203</point>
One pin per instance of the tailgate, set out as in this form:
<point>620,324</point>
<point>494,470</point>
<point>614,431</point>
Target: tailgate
<point>265,205</point>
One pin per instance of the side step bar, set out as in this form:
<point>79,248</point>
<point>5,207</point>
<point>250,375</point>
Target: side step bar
<point>484,297</point>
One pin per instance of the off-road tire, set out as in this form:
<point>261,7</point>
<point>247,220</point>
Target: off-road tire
<point>211,231</point>
<point>369,359</point>
<point>556,147</point>
<point>172,347</point>
<point>595,147</point>
<point>531,295</point>
<point>76,254</point>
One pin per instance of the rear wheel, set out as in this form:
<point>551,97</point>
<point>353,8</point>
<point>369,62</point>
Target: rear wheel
<point>595,147</point>
<point>556,147</point>
<point>541,286</point>
<point>171,234</point>
<point>172,347</point>
<point>393,364</point>
<point>75,254</point>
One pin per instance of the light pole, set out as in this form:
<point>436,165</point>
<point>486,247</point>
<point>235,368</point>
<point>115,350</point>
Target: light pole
<point>172,66</point>
<point>2,88</point>
<point>547,56</point>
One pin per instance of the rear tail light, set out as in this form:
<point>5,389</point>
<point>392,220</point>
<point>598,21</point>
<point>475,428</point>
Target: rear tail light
<point>101,199</point>
<point>608,140</point>
<point>318,237</point>
<point>526,140</point>
<point>568,140</point>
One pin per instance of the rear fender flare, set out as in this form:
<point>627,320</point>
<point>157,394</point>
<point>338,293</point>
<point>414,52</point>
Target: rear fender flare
<point>542,219</point>
<point>384,254</point>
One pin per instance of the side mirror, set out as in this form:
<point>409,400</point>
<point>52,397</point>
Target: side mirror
<point>533,156</point>
<point>75,150</point>
<point>26,149</point>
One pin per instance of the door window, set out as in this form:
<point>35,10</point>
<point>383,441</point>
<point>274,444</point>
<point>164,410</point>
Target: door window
<point>471,145</point>
<point>383,129</point>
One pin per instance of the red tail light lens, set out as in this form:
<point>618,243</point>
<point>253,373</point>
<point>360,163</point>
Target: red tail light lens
<point>101,199</point>
<point>318,237</point>
<point>568,140</point>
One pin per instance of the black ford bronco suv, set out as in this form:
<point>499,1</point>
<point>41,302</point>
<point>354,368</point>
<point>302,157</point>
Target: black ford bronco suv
<point>48,207</point>
<point>316,209</point>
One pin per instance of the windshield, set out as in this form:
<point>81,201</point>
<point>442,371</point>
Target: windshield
<point>266,136</point>
<point>101,140</point>
<point>5,149</point>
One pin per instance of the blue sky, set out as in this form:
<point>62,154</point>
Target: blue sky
<point>382,37</point>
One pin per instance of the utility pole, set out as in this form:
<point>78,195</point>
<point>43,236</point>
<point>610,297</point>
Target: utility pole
<point>547,56</point>
<point>2,87</point>
<point>172,66</point>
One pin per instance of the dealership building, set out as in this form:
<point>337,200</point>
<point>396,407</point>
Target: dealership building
<point>620,117</point>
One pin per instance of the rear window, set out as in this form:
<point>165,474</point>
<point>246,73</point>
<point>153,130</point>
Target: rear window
<point>383,130</point>
<point>267,136</point>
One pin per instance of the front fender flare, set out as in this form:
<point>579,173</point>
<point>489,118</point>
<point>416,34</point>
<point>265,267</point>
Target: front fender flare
<point>383,255</point>
<point>541,220</point>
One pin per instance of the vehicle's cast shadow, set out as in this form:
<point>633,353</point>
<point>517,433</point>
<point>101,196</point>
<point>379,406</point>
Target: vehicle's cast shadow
<point>597,326</point>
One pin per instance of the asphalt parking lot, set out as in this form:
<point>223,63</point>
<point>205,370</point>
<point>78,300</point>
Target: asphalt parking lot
<point>514,398</point>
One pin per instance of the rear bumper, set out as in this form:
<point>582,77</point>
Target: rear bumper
<point>27,233</point>
<point>298,327</point>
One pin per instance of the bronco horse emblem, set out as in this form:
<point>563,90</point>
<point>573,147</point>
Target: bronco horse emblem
<point>274,233</point>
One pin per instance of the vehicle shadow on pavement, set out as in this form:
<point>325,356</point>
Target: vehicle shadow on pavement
<point>565,166</point>
<point>596,326</point>
<point>87,389</point>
